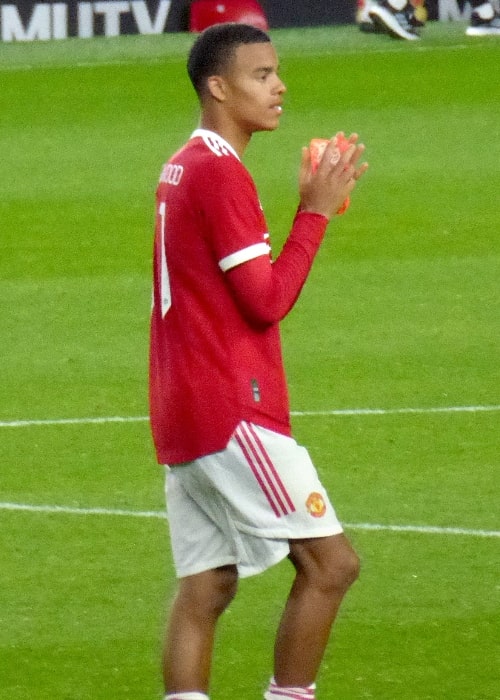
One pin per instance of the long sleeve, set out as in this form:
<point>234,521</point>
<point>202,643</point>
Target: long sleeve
<point>266,291</point>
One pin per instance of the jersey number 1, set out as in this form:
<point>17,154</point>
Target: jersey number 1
<point>165,295</point>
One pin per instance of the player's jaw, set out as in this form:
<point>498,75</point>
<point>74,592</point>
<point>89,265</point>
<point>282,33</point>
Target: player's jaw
<point>263,115</point>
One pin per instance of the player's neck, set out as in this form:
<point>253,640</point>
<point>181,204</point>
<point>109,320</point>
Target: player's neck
<point>228,130</point>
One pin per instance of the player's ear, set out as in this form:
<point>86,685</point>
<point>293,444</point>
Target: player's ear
<point>216,87</point>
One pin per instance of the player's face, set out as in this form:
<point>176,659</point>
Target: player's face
<point>254,90</point>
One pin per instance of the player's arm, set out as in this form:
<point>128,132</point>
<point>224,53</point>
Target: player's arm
<point>267,291</point>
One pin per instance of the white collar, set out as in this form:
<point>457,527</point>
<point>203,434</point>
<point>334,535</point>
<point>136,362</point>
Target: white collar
<point>212,139</point>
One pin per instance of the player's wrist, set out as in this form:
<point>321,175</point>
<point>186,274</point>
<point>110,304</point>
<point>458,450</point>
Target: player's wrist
<point>312,211</point>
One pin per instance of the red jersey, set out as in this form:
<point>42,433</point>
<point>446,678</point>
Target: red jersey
<point>215,351</point>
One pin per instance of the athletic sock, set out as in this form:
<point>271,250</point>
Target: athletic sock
<point>275,692</point>
<point>186,696</point>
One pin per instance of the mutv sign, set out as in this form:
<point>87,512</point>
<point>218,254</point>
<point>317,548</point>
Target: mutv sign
<point>31,21</point>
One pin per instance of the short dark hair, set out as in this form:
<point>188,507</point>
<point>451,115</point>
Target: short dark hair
<point>214,48</point>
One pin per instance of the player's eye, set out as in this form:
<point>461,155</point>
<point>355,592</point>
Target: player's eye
<point>264,74</point>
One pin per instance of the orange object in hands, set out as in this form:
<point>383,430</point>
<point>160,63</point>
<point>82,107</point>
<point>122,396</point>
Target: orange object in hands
<point>317,148</point>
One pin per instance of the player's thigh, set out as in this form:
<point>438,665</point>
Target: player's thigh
<point>200,541</point>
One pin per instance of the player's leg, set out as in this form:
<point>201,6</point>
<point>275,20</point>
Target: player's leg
<point>276,506</point>
<point>205,566</point>
<point>325,569</point>
<point>199,602</point>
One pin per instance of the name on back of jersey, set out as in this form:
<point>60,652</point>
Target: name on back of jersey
<point>172,173</point>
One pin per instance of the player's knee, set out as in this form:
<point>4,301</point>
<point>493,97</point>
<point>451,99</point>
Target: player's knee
<point>338,573</point>
<point>348,568</point>
<point>225,588</point>
<point>331,565</point>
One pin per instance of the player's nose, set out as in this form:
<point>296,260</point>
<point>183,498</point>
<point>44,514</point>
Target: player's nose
<point>281,87</point>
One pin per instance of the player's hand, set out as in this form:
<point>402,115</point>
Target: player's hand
<point>324,191</point>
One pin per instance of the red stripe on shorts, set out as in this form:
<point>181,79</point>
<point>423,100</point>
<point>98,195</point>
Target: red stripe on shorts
<point>264,470</point>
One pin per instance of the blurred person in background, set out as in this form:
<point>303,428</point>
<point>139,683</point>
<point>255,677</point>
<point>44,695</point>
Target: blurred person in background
<point>404,20</point>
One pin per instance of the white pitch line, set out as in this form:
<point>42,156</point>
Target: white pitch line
<point>101,420</point>
<point>396,411</point>
<point>71,510</point>
<point>423,529</point>
<point>161,515</point>
<point>98,420</point>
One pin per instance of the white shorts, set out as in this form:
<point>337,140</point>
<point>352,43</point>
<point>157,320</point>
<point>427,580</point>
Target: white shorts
<point>242,505</point>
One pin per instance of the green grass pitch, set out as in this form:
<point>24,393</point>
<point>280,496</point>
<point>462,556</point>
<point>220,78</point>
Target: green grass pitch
<point>401,312</point>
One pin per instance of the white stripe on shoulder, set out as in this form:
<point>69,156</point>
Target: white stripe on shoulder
<point>244,255</point>
<point>216,143</point>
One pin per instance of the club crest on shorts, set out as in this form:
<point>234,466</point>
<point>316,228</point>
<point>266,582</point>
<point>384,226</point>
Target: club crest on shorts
<point>316,505</point>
